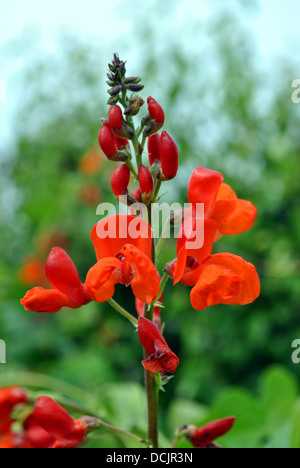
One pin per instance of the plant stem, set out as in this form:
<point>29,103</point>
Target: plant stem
<point>163,282</point>
<point>162,238</point>
<point>123,312</point>
<point>150,379</point>
<point>100,423</point>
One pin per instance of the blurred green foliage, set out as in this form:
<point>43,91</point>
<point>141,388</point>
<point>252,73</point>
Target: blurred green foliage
<point>226,112</point>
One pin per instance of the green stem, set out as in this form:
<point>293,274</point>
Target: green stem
<point>123,312</point>
<point>100,423</point>
<point>156,191</point>
<point>131,168</point>
<point>163,283</point>
<point>162,238</point>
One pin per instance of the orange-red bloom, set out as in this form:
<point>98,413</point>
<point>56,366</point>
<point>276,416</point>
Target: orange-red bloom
<point>232,215</point>
<point>123,249</point>
<point>161,358</point>
<point>222,278</point>
<point>55,420</point>
<point>68,291</point>
<point>205,436</point>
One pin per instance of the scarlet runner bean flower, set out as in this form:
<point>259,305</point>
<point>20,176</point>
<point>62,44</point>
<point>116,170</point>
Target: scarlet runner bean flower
<point>120,143</point>
<point>12,440</point>
<point>161,359</point>
<point>55,420</point>
<point>120,180</point>
<point>140,308</point>
<point>68,291</point>
<point>205,436</point>
<point>232,215</point>
<point>222,278</point>
<point>9,398</point>
<point>123,257</point>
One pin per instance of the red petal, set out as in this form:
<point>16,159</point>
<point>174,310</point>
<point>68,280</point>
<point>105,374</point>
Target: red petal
<point>247,273</point>
<point>148,334</point>
<point>55,420</point>
<point>204,436</point>
<point>63,275</point>
<point>145,284</point>
<point>46,300</point>
<point>216,285</point>
<point>203,187</point>
<point>201,229</point>
<point>101,281</point>
<point>234,216</point>
<point>110,235</point>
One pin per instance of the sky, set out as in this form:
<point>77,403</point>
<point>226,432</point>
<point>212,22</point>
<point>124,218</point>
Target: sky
<point>275,24</point>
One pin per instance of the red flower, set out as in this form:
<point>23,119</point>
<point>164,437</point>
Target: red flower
<point>161,358</point>
<point>232,215</point>
<point>204,437</point>
<point>217,279</point>
<point>154,148</point>
<point>55,420</point>
<point>9,398</point>
<point>120,180</point>
<point>140,308</point>
<point>123,248</point>
<point>68,291</point>
<point>169,156</point>
<point>155,110</point>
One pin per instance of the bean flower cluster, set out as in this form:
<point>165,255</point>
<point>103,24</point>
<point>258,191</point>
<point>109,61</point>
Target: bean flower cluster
<point>146,157</point>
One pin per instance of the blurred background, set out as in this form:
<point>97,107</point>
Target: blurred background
<point>223,72</point>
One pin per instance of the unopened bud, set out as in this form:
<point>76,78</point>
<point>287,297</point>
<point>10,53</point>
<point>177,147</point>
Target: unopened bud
<point>135,87</point>
<point>169,156</point>
<point>113,100</point>
<point>115,118</point>
<point>146,183</point>
<point>132,79</point>
<point>115,90</point>
<point>155,110</point>
<point>120,180</point>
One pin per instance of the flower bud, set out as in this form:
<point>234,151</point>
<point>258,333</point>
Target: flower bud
<point>146,183</point>
<point>115,118</point>
<point>204,436</point>
<point>169,156</point>
<point>132,79</point>
<point>107,142</point>
<point>154,148</point>
<point>113,100</point>
<point>57,422</point>
<point>135,87</point>
<point>120,180</point>
<point>115,90</point>
<point>155,110</point>
<point>137,194</point>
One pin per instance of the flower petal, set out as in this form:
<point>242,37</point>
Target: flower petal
<point>63,276</point>
<point>234,216</point>
<point>246,272</point>
<point>110,235</point>
<point>226,192</point>
<point>145,284</point>
<point>201,229</point>
<point>101,280</point>
<point>46,300</point>
<point>149,333</point>
<point>203,187</point>
<point>216,285</point>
